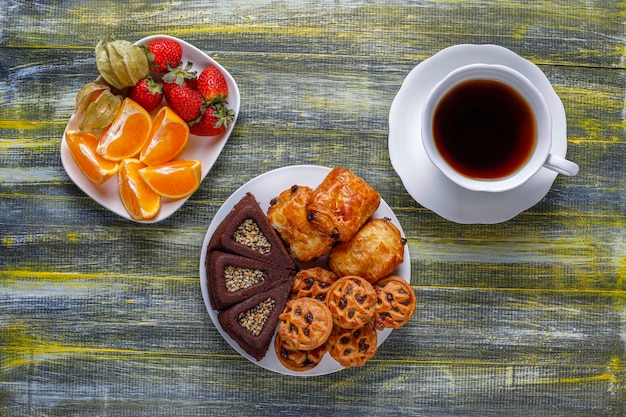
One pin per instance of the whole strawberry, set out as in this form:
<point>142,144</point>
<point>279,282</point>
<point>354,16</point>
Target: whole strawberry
<point>162,54</point>
<point>181,75</point>
<point>212,85</point>
<point>147,92</point>
<point>215,120</point>
<point>186,102</point>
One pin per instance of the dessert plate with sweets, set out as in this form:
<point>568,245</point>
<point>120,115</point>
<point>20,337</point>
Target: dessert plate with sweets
<point>290,265</point>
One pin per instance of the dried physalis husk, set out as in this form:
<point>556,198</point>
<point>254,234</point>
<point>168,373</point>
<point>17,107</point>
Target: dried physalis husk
<point>97,105</point>
<point>85,94</point>
<point>121,63</point>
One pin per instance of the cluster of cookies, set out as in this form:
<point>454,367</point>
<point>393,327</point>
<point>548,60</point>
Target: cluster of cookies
<point>259,291</point>
<point>339,316</point>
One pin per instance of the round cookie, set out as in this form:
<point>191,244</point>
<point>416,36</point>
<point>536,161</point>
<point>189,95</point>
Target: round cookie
<point>353,347</point>
<point>351,301</point>
<point>305,323</point>
<point>298,360</point>
<point>395,303</point>
<point>313,282</point>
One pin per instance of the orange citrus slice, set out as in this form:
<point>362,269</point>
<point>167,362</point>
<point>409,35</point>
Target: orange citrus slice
<point>139,200</point>
<point>176,179</point>
<point>82,146</point>
<point>168,137</point>
<point>128,132</point>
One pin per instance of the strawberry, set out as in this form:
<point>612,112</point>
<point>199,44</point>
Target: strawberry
<point>163,53</point>
<point>180,75</point>
<point>212,85</point>
<point>186,102</point>
<point>215,119</point>
<point>147,92</point>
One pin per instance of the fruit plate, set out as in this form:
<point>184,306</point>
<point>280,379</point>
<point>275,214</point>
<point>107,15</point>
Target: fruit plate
<point>264,188</point>
<point>204,148</point>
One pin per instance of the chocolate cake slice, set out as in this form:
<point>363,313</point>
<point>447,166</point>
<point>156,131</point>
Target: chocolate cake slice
<point>252,322</point>
<point>234,278</point>
<point>247,232</point>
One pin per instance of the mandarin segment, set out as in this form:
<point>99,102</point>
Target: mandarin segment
<point>128,132</point>
<point>139,200</point>
<point>168,137</point>
<point>176,179</point>
<point>82,146</point>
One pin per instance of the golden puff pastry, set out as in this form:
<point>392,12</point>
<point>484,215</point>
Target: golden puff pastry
<point>287,214</point>
<point>373,253</point>
<point>341,204</point>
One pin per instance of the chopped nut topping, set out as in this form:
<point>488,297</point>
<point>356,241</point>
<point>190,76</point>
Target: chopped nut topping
<point>249,234</point>
<point>237,278</point>
<point>254,319</point>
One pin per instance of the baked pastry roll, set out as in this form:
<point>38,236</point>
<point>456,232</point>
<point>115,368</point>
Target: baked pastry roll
<point>353,347</point>
<point>341,204</point>
<point>288,216</point>
<point>374,252</point>
<point>395,303</point>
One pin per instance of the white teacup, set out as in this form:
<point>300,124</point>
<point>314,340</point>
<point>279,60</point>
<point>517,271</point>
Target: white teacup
<point>488,128</point>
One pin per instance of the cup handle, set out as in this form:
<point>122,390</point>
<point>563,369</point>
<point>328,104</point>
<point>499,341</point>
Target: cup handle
<point>561,165</point>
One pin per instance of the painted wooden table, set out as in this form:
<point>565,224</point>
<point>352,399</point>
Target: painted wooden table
<point>100,316</point>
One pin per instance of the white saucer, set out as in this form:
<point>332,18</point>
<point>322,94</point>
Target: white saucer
<point>426,184</point>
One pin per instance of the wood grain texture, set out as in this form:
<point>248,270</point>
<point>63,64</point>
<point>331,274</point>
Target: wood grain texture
<point>103,317</point>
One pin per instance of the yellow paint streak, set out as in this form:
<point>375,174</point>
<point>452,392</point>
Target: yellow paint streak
<point>593,138</point>
<point>20,349</point>
<point>20,124</point>
<point>621,274</point>
<point>519,33</point>
<point>58,276</point>
<point>602,377</point>
<point>17,348</point>
<point>292,31</point>
<point>47,276</point>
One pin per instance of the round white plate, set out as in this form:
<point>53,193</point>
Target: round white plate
<point>264,188</point>
<point>426,184</point>
<point>205,149</point>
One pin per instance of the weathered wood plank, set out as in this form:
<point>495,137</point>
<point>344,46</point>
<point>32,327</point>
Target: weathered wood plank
<point>463,346</point>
